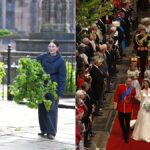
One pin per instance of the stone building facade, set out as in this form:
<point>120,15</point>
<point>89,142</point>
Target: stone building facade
<point>26,16</point>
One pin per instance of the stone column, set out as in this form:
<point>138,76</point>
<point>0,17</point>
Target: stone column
<point>4,13</point>
<point>68,19</point>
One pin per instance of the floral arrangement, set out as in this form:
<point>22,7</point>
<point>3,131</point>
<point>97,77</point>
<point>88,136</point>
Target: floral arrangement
<point>146,106</point>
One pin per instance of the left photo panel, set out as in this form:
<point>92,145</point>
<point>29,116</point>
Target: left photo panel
<point>37,74</point>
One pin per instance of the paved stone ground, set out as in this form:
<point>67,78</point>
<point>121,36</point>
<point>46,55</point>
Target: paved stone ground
<point>19,127</point>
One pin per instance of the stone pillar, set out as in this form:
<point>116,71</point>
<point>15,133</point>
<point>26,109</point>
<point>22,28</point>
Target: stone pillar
<point>4,13</point>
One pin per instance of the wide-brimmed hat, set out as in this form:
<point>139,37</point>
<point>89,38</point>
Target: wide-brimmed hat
<point>116,23</point>
<point>145,20</point>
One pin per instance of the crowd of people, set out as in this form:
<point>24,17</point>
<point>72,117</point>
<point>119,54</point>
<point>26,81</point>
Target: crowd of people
<point>99,51</point>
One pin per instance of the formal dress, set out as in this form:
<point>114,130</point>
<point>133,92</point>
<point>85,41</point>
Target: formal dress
<point>135,83</point>
<point>142,127</point>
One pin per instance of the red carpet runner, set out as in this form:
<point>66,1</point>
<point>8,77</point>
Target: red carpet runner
<point>116,142</point>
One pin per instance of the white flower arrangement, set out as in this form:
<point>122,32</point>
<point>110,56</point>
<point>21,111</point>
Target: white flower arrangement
<point>146,106</point>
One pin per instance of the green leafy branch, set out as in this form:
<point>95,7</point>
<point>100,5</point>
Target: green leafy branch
<point>32,84</point>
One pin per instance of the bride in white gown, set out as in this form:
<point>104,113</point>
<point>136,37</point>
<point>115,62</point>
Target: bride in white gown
<point>141,130</point>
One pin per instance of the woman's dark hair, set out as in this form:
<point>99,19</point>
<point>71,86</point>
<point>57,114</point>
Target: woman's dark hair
<point>55,42</point>
<point>143,84</point>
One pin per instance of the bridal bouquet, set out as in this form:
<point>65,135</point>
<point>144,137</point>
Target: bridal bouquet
<point>146,106</point>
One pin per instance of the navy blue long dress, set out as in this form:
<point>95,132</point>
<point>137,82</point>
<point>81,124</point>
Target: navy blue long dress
<point>55,66</point>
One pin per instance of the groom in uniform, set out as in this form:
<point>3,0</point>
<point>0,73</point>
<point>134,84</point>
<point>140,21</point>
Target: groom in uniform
<point>123,97</point>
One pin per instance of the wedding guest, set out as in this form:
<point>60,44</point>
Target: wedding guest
<point>97,83</point>
<point>141,45</point>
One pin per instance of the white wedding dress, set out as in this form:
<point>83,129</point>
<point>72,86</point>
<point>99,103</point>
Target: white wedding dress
<point>141,130</point>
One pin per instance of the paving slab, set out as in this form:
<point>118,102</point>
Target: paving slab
<point>19,127</point>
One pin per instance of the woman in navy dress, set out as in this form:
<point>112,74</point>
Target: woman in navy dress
<point>54,65</point>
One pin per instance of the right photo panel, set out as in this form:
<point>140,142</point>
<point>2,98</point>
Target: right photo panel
<point>112,74</point>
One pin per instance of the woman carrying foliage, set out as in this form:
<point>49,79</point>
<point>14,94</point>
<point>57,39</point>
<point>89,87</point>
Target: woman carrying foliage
<point>54,65</point>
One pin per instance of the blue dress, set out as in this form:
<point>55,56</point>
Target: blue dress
<point>55,66</point>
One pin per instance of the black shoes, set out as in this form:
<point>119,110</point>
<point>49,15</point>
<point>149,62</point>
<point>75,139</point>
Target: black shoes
<point>41,134</point>
<point>92,134</point>
<point>87,145</point>
<point>98,114</point>
<point>126,140</point>
<point>51,137</point>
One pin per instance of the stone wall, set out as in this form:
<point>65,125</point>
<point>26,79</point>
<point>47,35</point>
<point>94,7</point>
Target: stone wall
<point>25,16</point>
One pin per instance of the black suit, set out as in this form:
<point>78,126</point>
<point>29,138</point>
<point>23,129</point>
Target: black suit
<point>109,61</point>
<point>97,85</point>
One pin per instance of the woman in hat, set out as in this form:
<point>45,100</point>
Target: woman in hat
<point>141,130</point>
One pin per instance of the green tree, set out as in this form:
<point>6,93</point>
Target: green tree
<point>89,11</point>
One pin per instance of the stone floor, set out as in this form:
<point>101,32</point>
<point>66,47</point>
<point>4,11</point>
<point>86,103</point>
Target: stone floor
<point>19,127</point>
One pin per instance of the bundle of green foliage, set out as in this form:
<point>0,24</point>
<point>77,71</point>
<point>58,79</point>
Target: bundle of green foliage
<point>31,84</point>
